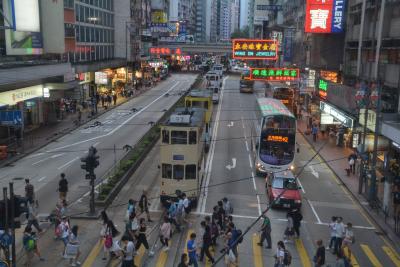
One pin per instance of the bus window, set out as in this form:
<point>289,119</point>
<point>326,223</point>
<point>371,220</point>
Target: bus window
<point>192,137</point>
<point>191,172</point>
<point>178,172</point>
<point>165,137</point>
<point>166,171</point>
<point>178,137</point>
<point>196,104</point>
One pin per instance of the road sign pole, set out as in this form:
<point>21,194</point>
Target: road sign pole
<point>92,178</point>
<point>7,248</point>
<point>13,254</point>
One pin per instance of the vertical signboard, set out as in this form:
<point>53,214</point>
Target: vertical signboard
<point>25,38</point>
<point>325,16</point>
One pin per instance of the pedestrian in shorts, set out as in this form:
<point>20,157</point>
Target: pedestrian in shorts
<point>144,205</point>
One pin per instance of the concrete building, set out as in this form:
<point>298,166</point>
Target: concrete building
<point>250,17</point>
<point>214,20</point>
<point>225,20</point>
<point>235,15</point>
<point>244,11</point>
<point>184,11</point>
<point>201,17</point>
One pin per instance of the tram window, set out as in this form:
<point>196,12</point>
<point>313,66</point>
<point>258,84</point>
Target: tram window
<point>178,172</point>
<point>206,105</point>
<point>165,136</point>
<point>191,172</point>
<point>179,137</point>
<point>167,171</point>
<point>192,137</point>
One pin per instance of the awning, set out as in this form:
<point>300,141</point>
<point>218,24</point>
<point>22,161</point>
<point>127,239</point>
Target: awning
<point>61,86</point>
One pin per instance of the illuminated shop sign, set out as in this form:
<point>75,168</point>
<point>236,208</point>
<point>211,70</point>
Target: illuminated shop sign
<point>274,74</point>
<point>323,89</point>
<point>339,116</point>
<point>329,75</point>
<point>278,138</point>
<point>165,51</point>
<point>325,16</point>
<point>255,49</point>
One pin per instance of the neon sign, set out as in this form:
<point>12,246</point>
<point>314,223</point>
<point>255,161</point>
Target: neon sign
<point>254,49</point>
<point>165,51</point>
<point>323,89</point>
<point>285,101</point>
<point>274,74</point>
<point>326,16</point>
<point>278,138</point>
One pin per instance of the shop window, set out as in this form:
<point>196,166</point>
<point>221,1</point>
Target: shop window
<point>192,137</point>
<point>166,171</point>
<point>178,172</point>
<point>165,137</point>
<point>178,137</point>
<point>191,171</point>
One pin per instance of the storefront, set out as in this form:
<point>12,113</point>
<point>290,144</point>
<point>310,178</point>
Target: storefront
<point>336,122</point>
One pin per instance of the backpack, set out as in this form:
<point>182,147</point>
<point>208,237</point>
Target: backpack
<point>29,243</point>
<point>239,235</point>
<point>287,258</point>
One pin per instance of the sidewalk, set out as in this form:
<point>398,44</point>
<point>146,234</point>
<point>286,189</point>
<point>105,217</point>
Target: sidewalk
<point>336,159</point>
<point>46,134</point>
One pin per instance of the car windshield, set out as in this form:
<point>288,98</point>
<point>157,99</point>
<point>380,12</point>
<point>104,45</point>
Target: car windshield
<point>284,183</point>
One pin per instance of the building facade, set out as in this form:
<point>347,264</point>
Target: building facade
<point>201,17</point>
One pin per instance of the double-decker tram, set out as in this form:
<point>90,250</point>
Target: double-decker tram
<point>183,142</point>
<point>276,136</point>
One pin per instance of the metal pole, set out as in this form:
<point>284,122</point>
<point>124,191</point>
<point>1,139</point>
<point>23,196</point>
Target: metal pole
<point>13,252</point>
<point>7,249</point>
<point>126,50</point>
<point>360,38</point>
<point>92,208</point>
<point>361,178</point>
<point>379,40</point>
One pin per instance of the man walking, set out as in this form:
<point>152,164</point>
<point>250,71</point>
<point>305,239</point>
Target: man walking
<point>352,162</point>
<point>63,187</point>
<point>319,257</point>
<point>191,249</point>
<point>127,251</point>
<point>205,248</point>
<point>29,191</point>
<point>32,217</point>
<point>265,232</point>
<point>314,131</point>
<point>339,233</point>
<point>297,218</point>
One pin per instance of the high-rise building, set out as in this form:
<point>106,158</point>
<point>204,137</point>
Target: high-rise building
<point>184,12</point>
<point>201,16</point>
<point>235,15</point>
<point>214,21</point>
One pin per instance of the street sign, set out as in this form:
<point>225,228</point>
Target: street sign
<point>5,240</point>
<point>274,74</point>
<point>255,49</point>
<point>11,117</point>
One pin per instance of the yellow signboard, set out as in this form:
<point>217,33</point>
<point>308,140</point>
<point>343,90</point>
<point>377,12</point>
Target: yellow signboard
<point>159,16</point>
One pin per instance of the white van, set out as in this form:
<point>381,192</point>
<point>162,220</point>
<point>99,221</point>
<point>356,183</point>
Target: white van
<point>213,79</point>
<point>219,69</point>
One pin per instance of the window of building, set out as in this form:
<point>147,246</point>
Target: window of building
<point>87,36</point>
<point>81,13</point>
<point>178,172</point>
<point>166,171</point>
<point>69,4</point>
<point>165,136</point>
<point>190,171</point>
<point>82,53</point>
<point>192,137</point>
<point>179,137</point>
<point>87,14</point>
<point>77,12</point>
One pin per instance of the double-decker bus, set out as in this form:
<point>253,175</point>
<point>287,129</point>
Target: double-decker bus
<point>276,138</point>
<point>183,144</point>
<point>282,92</point>
<point>246,85</point>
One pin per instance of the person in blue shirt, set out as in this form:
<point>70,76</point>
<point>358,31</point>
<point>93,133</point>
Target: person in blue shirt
<point>192,249</point>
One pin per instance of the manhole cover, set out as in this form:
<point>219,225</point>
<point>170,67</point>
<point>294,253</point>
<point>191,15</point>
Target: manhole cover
<point>18,178</point>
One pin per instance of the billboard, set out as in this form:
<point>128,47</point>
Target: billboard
<point>159,16</point>
<point>25,37</point>
<point>274,74</point>
<point>325,16</point>
<point>254,49</point>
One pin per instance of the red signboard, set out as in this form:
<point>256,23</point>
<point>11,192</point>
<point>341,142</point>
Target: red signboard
<point>254,49</point>
<point>163,51</point>
<point>319,16</point>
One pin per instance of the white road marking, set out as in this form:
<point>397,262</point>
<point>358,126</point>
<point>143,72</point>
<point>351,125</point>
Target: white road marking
<point>120,125</point>
<point>68,163</point>
<point>95,144</point>
<point>250,161</point>
<point>52,157</point>
<point>42,178</point>
<point>313,171</point>
<point>230,124</point>
<point>315,213</point>
<point>57,155</point>
<point>34,155</point>
<point>302,187</point>
<point>203,197</point>
<point>229,167</point>
<point>254,181</point>
<point>247,145</point>
<point>259,205</point>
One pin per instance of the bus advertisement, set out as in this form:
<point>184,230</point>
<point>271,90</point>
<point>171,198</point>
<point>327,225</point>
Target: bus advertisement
<point>276,141</point>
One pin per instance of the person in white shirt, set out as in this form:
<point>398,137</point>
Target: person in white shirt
<point>127,251</point>
<point>280,254</point>
<point>339,233</point>
<point>348,239</point>
<point>333,233</point>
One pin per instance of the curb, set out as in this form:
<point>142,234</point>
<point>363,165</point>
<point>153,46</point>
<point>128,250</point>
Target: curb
<point>370,216</point>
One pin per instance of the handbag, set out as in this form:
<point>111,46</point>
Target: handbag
<point>108,241</point>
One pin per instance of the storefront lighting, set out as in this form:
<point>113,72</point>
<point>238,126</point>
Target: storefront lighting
<point>46,92</point>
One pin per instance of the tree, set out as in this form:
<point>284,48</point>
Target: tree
<point>241,33</point>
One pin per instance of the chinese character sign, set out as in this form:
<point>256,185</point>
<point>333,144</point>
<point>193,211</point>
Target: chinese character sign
<point>323,89</point>
<point>325,16</point>
<point>255,49</point>
<point>164,51</point>
<point>274,74</point>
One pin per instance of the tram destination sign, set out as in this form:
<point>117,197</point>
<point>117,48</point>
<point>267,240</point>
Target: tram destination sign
<point>255,49</point>
<point>274,74</point>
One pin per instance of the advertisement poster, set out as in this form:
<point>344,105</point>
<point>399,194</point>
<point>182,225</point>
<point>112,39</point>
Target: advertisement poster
<point>27,38</point>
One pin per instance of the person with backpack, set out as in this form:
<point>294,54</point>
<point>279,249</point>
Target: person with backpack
<point>265,232</point>
<point>228,208</point>
<point>206,240</point>
<point>319,257</point>
<point>172,216</point>
<point>282,256</point>
<point>144,205</point>
<point>29,241</point>
<point>110,234</point>
<point>130,209</point>
<point>63,187</point>
<point>32,216</point>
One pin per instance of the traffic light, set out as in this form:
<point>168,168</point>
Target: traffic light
<point>86,165</point>
<point>91,161</point>
<point>20,207</point>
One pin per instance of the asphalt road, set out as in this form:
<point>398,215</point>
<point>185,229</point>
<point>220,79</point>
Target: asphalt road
<point>119,127</point>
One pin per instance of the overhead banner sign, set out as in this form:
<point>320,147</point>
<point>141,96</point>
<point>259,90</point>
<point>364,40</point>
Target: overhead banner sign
<point>325,16</point>
<point>274,74</point>
<point>255,49</point>
<point>165,51</point>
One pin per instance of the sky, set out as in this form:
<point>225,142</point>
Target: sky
<point>243,12</point>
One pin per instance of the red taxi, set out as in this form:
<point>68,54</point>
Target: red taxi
<point>283,190</point>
